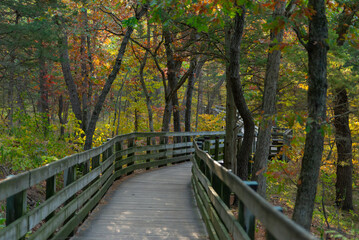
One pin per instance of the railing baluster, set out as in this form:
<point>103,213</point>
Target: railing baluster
<point>216,150</point>
<point>95,162</point>
<point>118,147</point>
<point>269,236</point>
<point>50,191</point>
<point>15,206</point>
<point>149,139</point>
<point>163,140</point>
<point>130,144</point>
<point>245,217</point>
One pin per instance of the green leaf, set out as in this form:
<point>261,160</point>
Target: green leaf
<point>130,22</point>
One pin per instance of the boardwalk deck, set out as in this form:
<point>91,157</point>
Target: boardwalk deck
<point>154,205</point>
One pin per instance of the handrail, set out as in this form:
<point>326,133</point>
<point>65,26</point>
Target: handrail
<point>212,183</point>
<point>64,210</point>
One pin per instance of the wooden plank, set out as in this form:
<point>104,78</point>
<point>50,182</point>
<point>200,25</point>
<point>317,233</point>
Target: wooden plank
<point>278,224</point>
<point>15,230</point>
<point>50,191</point>
<point>51,204</point>
<point>222,209</point>
<point>219,227</point>
<point>49,227</point>
<point>156,163</point>
<point>81,214</point>
<point>14,184</point>
<point>153,205</point>
<point>212,232</point>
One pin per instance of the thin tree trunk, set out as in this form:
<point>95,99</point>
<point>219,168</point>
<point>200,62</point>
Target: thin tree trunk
<point>44,94</point>
<point>117,107</point>
<point>245,151</point>
<point>343,185</point>
<point>199,101</point>
<point>269,102</point>
<point>317,48</point>
<point>144,87</point>
<point>62,114</point>
<point>84,69</point>
<point>213,94</point>
<point>189,93</point>
<point>343,139</point>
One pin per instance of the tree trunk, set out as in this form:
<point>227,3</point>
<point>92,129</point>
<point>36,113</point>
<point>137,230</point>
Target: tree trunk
<point>199,101</point>
<point>230,146</point>
<point>230,139</point>
<point>70,83</point>
<point>144,87</point>
<point>344,197</point>
<point>44,94</point>
<point>84,70</point>
<point>343,138</point>
<point>173,67</point>
<point>269,103</point>
<point>213,94</point>
<point>62,114</point>
<point>167,113</point>
<point>317,48</point>
<point>74,97</point>
<point>245,151</point>
<point>195,68</point>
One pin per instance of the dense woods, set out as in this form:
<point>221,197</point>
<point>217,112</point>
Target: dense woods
<point>75,73</point>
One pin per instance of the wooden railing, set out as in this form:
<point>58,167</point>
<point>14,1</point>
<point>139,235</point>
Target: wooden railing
<point>214,185</point>
<point>75,184</point>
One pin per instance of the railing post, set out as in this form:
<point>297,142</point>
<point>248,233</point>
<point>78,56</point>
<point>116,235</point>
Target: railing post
<point>50,191</point>
<point>95,162</point>
<point>130,144</point>
<point>269,236</point>
<point>69,175</point>
<point>245,217</point>
<point>226,194</point>
<point>163,140</point>
<point>15,206</point>
<point>216,150</point>
<point>207,146</point>
<point>118,148</point>
<point>149,139</point>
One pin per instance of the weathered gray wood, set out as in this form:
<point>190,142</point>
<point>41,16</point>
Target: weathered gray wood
<point>245,217</point>
<point>14,184</point>
<point>278,224</point>
<point>130,144</point>
<point>269,236</point>
<point>217,223</point>
<point>118,148</point>
<point>148,151</point>
<point>15,207</point>
<point>156,204</point>
<point>212,232</point>
<point>223,211</point>
<point>51,204</point>
<point>50,190</point>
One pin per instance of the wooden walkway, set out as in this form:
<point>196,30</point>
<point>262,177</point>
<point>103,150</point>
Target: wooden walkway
<point>154,205</point>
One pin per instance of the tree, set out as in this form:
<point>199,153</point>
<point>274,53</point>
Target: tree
<point>343,139</point>
<point>270,91</point>
<point>238,95</point>
<point>74,97</point>
<point>317,48</point>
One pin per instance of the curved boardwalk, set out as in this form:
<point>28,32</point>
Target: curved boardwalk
<point>154,205</point>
